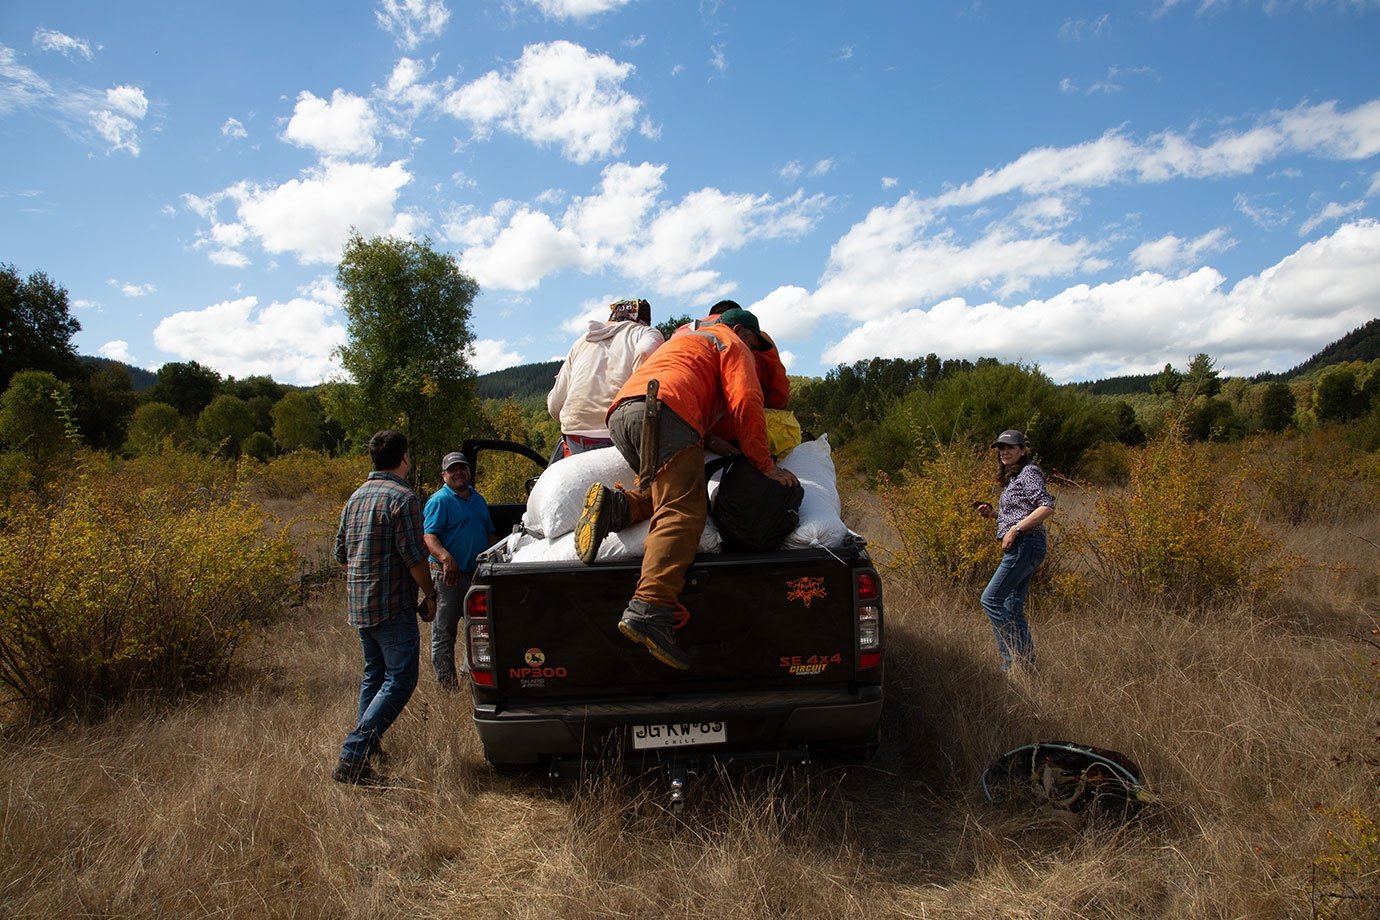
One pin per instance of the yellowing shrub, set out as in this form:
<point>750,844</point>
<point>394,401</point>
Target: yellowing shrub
<point>111,589</point>
<point>1183,529</point>
<point>932,513</point>
<point>306,471</point>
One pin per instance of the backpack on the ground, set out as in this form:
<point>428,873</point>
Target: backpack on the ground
<point>753,512</point>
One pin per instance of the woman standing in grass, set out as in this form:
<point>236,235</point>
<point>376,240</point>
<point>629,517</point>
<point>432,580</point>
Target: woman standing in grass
<point>1020,514</point>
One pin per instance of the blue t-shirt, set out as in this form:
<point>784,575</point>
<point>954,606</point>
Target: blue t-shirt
<point>462,524</point>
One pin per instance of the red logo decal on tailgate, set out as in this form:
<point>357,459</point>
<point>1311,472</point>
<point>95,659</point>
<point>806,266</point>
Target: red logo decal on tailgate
<point>806,590</point>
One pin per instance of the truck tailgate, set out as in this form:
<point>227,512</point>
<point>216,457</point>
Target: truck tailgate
<point>785,620</point>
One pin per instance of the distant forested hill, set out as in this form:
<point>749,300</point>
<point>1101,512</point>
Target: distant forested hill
<point>522,383</point>
<point>1118,386</point>
<point>139,378</point>
<point>1361,344</point>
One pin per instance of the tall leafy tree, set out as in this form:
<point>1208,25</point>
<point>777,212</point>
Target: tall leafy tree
<point>152,424</point>
<point>36,421</point>
<point>187,386</point>
<point>409,332</point>
<point>104,400</point>
<point>1338,397</point>
<point>1277,405</point>
<point>227,421</point>
<point>297,421</point>
<point>35,327</point>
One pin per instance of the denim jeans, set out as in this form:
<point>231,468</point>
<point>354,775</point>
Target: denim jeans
<point>1004,598</point>
<point>390,675</point>
<point>450,608</point>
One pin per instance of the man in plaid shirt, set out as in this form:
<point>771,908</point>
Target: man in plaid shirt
<point>380,545</point>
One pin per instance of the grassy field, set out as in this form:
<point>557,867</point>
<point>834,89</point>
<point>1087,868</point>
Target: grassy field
<point>1244,720</point>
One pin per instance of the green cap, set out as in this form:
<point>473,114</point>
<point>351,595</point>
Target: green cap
<point>737,316</point>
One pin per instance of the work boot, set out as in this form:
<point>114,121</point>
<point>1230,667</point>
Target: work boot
<point>356,773</point>
<point>653,629</point>
<point>605,512</point>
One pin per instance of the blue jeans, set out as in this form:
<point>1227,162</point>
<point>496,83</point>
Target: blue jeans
<point>450,608</point>
<point>1004,598</point>
<point>390,675</point>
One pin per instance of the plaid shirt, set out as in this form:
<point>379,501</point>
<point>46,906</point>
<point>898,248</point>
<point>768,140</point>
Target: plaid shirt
<point>1023,494</point>
<point>379,539</point>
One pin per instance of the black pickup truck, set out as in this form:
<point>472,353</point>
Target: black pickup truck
<point>786,651</point>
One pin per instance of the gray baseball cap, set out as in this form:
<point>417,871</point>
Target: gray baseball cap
<point>453,458</point>
<point>1010,437</point>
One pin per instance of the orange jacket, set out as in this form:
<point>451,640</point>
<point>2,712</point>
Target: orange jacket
<point>771,373</point>
<point>776,389</point>
<point>705,372</point>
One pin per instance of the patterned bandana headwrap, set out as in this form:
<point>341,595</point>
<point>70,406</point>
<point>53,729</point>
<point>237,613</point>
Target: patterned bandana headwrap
<point>638,310</point>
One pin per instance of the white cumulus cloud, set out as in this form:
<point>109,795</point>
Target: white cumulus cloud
<point>117,350</point>
<point>556,93</point>
<point>1169,251</point>
<point>311,217</point>
<point>291,342</point>
<point>663,246</point>
<point>344,127</point>
<point>493,355</point>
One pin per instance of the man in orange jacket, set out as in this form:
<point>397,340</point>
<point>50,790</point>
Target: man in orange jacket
<point>702,373</point>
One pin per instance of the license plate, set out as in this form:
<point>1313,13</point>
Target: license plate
<point>678,734</point>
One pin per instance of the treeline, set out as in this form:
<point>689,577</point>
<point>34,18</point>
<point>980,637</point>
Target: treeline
<point>891,413</point>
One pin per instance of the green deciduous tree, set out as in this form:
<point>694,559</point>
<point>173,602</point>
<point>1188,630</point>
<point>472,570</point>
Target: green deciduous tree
<point>187,386</point>
<point>409,310</point>
<point>152,424</point>
<point>1338,396</point>
<point>258,445</point>
<point>668,326</point>
<point>297,421</point>
<point>226,422</point>
<point>1277,406</point>
<point>35,327</point>
<point>36,421</point>
<point>104,399</point>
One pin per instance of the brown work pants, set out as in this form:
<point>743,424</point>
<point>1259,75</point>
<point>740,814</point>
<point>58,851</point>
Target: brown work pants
<point>676,500</point>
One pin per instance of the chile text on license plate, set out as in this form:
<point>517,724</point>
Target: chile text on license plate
<point>678,734</point>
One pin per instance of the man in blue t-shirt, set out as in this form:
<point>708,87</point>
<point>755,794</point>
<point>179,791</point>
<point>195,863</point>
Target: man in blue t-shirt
<point>457,527</point>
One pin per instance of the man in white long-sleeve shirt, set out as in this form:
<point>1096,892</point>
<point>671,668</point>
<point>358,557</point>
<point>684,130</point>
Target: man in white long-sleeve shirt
<point>598,364</point>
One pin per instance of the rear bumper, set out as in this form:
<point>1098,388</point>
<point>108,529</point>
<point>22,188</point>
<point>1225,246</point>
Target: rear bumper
<point>757,723</point>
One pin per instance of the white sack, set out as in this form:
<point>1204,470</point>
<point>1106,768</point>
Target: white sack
<point>625,544</point>
<point>554,506</point>
<point>821,521</point>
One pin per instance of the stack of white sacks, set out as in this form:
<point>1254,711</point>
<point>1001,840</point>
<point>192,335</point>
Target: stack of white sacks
<point>553,508</point>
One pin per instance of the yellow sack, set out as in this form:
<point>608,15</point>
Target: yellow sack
<point>783,432</point>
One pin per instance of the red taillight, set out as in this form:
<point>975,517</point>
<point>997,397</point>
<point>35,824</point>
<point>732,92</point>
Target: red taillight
<point>869,660</point>
<point>869,588</point>
<point>483,678</point>
<point>477,605</point>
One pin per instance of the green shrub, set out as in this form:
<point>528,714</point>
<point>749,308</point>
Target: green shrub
<point>114,588</point>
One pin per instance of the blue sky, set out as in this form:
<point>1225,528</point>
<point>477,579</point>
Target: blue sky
<point>1098,189</point>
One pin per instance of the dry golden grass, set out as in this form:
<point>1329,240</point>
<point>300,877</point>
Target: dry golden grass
<point>222,805</point>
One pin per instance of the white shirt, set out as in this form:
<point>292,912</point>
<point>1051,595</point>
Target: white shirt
<point>598,365</point>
